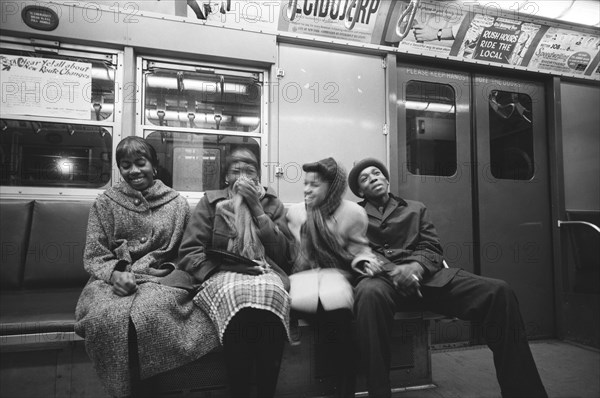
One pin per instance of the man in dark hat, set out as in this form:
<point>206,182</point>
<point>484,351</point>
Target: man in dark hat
<point>401,234</point>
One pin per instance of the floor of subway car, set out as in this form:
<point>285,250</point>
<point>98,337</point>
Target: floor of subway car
<point>567,370</point>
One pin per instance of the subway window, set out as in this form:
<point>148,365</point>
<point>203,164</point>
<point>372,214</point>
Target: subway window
<point>46,154</point>
<point>195,115</point>
<point>511,135</point>
<point>201,98</point>
<point>58,115</point>
<point>430,128</point>
<point>196,162</point>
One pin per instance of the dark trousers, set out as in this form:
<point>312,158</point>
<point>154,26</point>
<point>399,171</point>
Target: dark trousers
<point>489,302</point>
<point>139,388</point>
<point>253,344</point>
<point>334,350</point>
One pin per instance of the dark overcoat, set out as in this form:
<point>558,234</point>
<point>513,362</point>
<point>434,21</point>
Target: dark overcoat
<point>405,233</point>
<point>207,230</point>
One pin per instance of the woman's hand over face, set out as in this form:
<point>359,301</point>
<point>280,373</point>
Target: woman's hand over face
<point>247,189</point>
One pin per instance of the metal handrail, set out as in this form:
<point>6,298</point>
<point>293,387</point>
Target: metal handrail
<point>409,13</point>
<point>589,224</point>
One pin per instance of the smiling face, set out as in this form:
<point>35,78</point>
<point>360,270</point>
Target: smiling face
<point>372,183</point>
<point>315,189</point>
<point>137,171</point>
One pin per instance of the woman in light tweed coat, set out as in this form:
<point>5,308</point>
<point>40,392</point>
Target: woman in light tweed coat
<point>248,304</point>
<point>134,230</point>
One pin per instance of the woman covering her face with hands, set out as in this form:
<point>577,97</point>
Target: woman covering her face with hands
<point>234,245</point>
<point>134,327</point>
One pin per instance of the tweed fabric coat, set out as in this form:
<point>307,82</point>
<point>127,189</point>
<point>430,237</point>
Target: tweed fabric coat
<point>138,232</point>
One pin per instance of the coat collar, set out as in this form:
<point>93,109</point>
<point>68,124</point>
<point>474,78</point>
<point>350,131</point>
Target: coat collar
<point>139,201</point>
<point>215,196</point>
<point>392,205</point>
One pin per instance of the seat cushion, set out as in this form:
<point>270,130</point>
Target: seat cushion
<point>56,244</point>
<point>38,311</point>
<point>15,223</point>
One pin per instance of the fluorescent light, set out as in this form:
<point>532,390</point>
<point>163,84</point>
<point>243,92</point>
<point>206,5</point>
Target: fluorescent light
<point>206,86</point>
<point>247,120</point>
<point>429,106</point>
<point>584,12</point>
<point>416,105</point>
<point>580,11</point>
<point>65,165</point>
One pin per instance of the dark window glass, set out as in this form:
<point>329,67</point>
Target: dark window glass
<point>196,162</point>
<point>205,99</point>
<point>47,154</point>
<point>511,135</point>
<point>430,128</point>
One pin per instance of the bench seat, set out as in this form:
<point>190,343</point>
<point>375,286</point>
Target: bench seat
<point>38,311</point>
<point>42,275</point>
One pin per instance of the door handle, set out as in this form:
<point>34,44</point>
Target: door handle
<point>589,224</point>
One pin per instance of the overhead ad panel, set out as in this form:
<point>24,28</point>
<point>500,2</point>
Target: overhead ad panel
<point>452,29</point>
<point>458,30</point>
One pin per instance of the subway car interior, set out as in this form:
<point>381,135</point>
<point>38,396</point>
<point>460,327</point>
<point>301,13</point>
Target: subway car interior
<point>487,112</point>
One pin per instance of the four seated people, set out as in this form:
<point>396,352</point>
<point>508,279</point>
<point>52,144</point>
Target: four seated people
<point>248,262</point>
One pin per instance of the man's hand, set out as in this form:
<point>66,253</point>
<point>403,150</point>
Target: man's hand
<point>247,189</point>
<point>407,278</point>
<point>123,283</point>
<point>373,267</point>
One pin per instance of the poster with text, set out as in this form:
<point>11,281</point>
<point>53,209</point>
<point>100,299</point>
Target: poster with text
<point>337,19</point>
<point>594,69</point>
<point>433,30</point>
<point>498,40</point>
<point>46,87</point>
<point>565,51</point>
<point>262,15</point>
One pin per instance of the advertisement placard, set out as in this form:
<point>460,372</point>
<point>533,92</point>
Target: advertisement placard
<point>434,28</point>
<point>337,19</point>
<point>498,40</point>
<point>566,51</point>
<point>46,87</point>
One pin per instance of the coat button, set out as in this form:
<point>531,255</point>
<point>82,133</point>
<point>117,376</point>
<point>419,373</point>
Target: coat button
<point>143,239</point>
<point>137,202</point>
<point>386,246</point>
